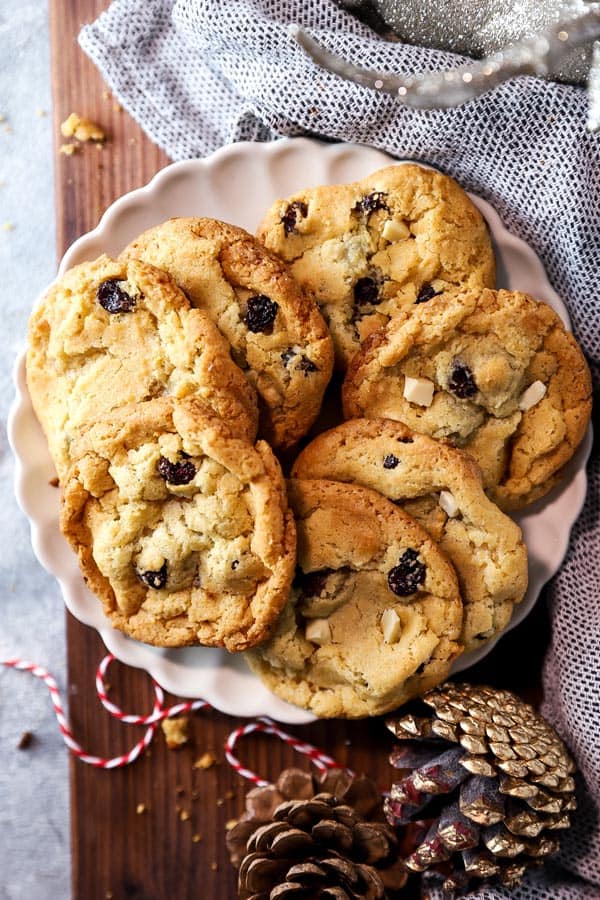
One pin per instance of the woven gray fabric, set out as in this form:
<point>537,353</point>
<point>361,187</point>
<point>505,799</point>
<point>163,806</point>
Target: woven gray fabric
<point>198,75</point>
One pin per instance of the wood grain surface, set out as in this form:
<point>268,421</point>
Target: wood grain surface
<point>174,849</point>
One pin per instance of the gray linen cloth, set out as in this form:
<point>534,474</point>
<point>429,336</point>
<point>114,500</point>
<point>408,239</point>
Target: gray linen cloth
<point>198,75</point>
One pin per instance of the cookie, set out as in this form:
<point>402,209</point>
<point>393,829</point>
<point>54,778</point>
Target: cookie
<point>108,334</point>
<point>374,614</point>
<point>368,249</point>
<point>181,528</point>
<point>493,372</point>
<point>441,488</point>
<point>277,335</point>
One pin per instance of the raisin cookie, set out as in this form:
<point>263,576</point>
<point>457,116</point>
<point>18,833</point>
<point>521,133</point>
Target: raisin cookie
<point>108,334</point>
<point>441,488</point>
<point>494,372</point>
<point>374,614</point>
<point>182,529</point>
<point>371,248</point>
<point>277,335</point>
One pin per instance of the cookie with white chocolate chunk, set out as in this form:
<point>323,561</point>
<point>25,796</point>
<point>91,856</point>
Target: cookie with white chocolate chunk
<point>182,529</point>
<point>370,248</point>
<point>276,332</point>
<point>110,333</point>
<point>493,372</point>
<point>374,615</point>
<point>440,486</point>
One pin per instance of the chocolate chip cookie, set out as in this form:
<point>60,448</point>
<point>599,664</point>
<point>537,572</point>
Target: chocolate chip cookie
<point>108,334</point>
<point>368,249</point>
<point>181,528</point>
<point>277,334</point>
<point>441,488</point>
<point>493,372</point>
<point>374,614</point>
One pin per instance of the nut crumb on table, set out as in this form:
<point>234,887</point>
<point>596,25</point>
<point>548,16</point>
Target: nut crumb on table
<point>176,732</point>
<point>206,761</point>
<point>81,129</point>
<point>68,149</point>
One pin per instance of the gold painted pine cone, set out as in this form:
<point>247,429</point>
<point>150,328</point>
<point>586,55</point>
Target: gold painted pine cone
<point>315,839</point>
<point>489,782</point>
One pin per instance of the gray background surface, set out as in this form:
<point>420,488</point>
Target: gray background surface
<point>34,837</point>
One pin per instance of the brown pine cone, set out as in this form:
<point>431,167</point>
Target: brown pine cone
<point>489,781</point>
<point>307,837</point>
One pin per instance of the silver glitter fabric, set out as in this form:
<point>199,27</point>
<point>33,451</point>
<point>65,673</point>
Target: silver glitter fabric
<point>594,90</point>
<point>200,73</point>
<point>480,27</point>
<point>537,55</point>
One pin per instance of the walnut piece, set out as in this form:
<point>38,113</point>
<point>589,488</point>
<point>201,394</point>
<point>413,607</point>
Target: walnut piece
<point>175,732</point>
<point>81,129</point>
<point>206,761</point>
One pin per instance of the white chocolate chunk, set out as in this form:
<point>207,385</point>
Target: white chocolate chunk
<point>318,631</point>
<point>418,390</point>
<point>394,230</point>
<point>532,395</point>
<point>390,625</point>
<point>448,504</point>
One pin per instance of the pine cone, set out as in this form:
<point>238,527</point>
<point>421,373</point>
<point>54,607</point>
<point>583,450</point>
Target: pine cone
<point>488,781</point>
<point>306,838</point>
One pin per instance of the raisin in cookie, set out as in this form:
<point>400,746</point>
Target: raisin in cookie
<point>112,333</point>
<point>370,248</point>
<point>441,488</point>
<point>374,614</point>
<point>276,332</point>
<point>494,372</point>
<point>181,529</point>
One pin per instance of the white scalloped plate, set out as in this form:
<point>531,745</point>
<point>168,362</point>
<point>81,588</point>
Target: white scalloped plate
<point>238,184</point>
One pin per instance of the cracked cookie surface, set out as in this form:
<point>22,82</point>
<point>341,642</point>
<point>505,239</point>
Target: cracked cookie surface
<point>493,372</point>
<point>181,529</point>
<point>374,614</point>
<point>277,334</point>
<point>441,488</point>
<point>112,333</point>
<point>368,249</point>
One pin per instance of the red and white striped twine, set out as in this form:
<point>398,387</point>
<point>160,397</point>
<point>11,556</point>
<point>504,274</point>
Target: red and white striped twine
<point>157,715</point>
<point>321,760</point>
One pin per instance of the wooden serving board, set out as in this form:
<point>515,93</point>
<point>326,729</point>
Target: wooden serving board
<point>174,849</point>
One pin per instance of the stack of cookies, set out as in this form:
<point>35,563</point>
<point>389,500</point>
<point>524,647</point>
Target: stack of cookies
<point>389,552</point>
<point>150,392</point>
